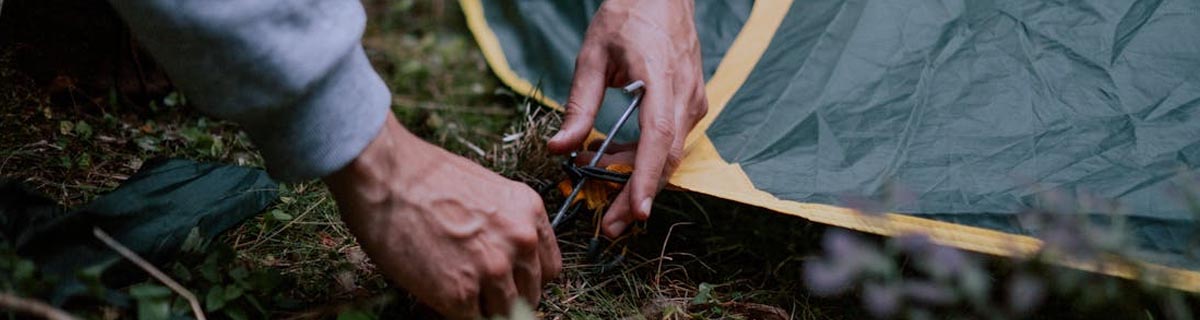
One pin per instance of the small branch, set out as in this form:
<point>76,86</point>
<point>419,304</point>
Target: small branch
<point>663,252</point>
<point>33,307</point>
<point>154,272</point>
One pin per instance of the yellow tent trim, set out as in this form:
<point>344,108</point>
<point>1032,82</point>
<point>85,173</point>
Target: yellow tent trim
<point>704,171</point>
<point>490,45</point>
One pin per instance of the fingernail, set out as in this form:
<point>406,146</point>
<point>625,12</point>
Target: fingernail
<point>616,226</point>
<point>646,205</point>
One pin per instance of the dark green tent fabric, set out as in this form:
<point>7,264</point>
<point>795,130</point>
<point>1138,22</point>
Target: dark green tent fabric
<point>151,213</point>
<point>980,110</point>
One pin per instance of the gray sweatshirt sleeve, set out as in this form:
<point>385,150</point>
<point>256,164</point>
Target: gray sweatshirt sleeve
<point>293,73</point>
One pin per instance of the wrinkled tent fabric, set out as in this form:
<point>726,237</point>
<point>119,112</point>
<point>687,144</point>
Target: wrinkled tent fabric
<point>151,213</point>
<point>979,110</point>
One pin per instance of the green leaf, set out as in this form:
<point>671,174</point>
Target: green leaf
<point>236,314</point>
<point>210,270</point>
<point>144,291</point>
<point>154,309</point>
<point>181,272</point>
<point>84,161</point>
<point>65,161</point>
<point>239,273</point>
<point>66,127</point>
<point>147,143</point>
<point>216,146</point>
<point>83,129</point>
<point>215,299</point>
<point>192,134</point>
<point>233,292</point>
<point>173,99</point>
<point>279,215</point>
<point>703,294</point>
<point>194,242</point>
<point>23,270</point>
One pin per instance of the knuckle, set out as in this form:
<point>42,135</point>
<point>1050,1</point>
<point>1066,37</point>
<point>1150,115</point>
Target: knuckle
<point>699,108</point>
<point>525,238</point>
<point>497,269</point>
<point>589,54</point>
<point>661,126</point>
<point>674,159</point>
<point>572,110</point>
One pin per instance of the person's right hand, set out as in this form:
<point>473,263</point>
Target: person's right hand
<point>459,237</point>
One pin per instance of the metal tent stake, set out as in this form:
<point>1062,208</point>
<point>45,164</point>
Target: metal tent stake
<point>636,89</point>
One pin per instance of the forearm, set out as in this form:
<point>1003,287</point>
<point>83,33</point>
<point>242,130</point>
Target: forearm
<point>292,73</point>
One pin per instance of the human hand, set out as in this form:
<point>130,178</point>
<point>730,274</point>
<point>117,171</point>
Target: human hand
<point>652,41</point>
<point>459,237</point>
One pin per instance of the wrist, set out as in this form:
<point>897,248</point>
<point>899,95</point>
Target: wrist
<point>392,160</point>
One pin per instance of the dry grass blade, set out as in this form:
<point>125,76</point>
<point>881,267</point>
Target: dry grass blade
<point>154,272</point>
<point>32,307</point>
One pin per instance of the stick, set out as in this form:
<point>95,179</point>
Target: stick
<point>154,272</point>
<point>33,307</point>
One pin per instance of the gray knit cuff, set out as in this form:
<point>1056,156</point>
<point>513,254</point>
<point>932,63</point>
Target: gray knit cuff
<point>329,126</point>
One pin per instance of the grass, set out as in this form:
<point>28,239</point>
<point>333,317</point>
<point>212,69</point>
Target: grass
<point>699,257</point>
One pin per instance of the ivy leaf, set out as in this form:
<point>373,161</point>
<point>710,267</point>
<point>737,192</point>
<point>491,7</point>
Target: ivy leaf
<point>149,291</point>
<point>147,143</point>
<point>215,299</point>
<point>233,292</point>
<point>83,129</point>
<point>279,215</point>
<point>703,294</point>
<point>194,242</point>
<point>66,127</point>
<point>236,314</point>
<point>153,301</point>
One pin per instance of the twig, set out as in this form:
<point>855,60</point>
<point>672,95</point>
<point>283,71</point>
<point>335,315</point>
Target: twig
<point>663,252</point>
<point>33,307</point>
<point>154,272</point>
<point>471,146</point>
<point>261,239</point>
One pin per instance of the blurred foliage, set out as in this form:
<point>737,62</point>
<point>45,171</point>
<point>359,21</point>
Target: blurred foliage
<point>909,276</point>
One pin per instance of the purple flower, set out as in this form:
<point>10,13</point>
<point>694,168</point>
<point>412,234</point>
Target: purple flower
<point>881,300</point>
<point>929,293</point>
<point>1025,293</point>
<point>825,279</point>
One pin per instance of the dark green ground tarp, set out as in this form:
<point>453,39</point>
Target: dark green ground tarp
<point>152,213</point>
<point>980,109</point>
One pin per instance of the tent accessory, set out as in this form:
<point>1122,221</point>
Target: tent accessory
<point>635,89</point>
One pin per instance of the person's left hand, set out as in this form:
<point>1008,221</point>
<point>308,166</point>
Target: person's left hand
<point>652,41</point>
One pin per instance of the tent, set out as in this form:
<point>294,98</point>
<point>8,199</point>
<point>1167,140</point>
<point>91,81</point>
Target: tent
<point>979,109</point>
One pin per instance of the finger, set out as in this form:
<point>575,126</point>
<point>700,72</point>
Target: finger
<point>527,274</point>
<point>618,216</point>
<point>499,297</point>
<point>658,129</point>
<point>587,91</point>
<point>499,293</point>
<point>548,253</point>
<point>459,302</point>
